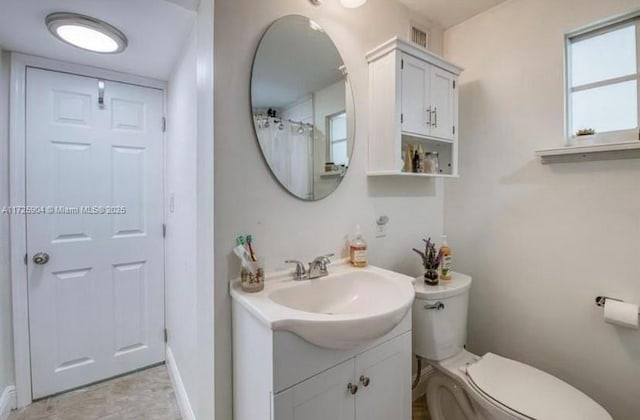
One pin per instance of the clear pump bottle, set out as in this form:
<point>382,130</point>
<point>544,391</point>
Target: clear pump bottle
<point>358,249</point>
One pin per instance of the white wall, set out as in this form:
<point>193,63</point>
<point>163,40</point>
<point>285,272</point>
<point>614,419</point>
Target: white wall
<point>541,242</point>
<point>249,200</point>
<point>180,244</point>
<point>208,390</point>
<point>6,332</point>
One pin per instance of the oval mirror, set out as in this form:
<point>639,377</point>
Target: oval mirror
<point>302,107</point>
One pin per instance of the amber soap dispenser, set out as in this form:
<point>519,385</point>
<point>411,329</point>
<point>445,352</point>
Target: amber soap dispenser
<point>358,249</point>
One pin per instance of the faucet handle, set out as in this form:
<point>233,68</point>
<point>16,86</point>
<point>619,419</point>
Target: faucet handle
<point>300,270</point>
<point>321,262</point>
<point>324,258</point>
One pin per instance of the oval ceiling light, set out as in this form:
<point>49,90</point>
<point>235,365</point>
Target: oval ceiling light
<point>86,33</point>
<point>352,4</point>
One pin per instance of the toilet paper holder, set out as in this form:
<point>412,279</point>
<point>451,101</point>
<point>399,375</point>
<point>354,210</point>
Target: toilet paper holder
<point>601,300</point>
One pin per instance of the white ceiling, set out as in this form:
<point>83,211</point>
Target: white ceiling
<point>448,13</point>
<point>156,30</point>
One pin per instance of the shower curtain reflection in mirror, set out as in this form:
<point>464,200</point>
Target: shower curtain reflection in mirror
<point>287,146</point>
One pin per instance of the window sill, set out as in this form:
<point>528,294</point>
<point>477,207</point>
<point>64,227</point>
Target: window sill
<point>333,174</point>
<point>591,152</point>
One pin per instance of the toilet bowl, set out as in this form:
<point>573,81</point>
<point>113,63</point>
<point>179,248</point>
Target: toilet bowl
<point>465,386</point>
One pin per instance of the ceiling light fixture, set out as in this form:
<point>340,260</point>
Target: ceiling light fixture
<point>86,33</point>
<point>352,4</point>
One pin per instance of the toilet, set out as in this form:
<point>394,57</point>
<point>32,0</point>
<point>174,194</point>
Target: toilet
<point>465,386</point>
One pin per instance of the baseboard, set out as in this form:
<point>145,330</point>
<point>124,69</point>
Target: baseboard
<point>421,389</point>
<point>7,402</point>
<point>178,388</point>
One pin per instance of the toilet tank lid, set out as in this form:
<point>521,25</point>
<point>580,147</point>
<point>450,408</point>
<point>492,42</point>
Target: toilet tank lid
<point>458,284</point>
<point>532,392</point>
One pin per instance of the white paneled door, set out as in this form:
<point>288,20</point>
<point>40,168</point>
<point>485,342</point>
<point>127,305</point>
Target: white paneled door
<point>94,189</point>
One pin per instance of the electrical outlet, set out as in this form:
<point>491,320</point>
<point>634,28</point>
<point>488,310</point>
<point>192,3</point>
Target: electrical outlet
<point>381,226</point>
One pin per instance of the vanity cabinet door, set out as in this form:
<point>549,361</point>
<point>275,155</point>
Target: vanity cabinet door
<point>443,103</point>
<point>415,95</point>
<point>322,397</point>
<point>384,381</point>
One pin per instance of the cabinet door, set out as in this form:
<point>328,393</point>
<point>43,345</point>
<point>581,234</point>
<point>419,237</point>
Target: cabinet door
<point>415,95</point>
<point>443,103</point>
<point>388,370</point>
<point>322,397</point>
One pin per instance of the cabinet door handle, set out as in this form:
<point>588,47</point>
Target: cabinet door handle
<point>435,115</point>
<point>365,381</point>
<point>429,115</point>
<point>353,389</point>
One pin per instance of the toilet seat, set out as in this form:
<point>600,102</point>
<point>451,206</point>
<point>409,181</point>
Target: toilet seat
<point>530,392</point>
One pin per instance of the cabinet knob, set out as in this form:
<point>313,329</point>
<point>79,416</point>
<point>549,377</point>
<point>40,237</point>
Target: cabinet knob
<point>353,389</point>
<point>364,380</point>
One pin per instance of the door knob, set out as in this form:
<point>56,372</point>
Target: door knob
<point>41,258</point>
<point>364,380</point>
<point>352,388</point>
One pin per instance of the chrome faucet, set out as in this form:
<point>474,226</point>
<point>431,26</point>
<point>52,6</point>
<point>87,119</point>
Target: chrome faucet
<point>317,268</point>
<point>301,273</point>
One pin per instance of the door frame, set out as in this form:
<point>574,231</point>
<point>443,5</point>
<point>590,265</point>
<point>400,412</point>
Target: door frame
<point>19,63</point>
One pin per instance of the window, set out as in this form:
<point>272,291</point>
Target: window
<point>338,145</point>
<point>602,76</point>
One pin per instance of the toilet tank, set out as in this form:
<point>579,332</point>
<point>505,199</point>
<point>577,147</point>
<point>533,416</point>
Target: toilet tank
<point>440,317</point>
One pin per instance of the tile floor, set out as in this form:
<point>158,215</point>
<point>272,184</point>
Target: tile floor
<point>420,411</point>
<point>142,395</point>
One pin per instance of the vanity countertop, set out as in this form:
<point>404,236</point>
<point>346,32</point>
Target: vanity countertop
<point>342,310</point>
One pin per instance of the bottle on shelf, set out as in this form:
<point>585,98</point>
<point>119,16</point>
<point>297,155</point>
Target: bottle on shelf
<point>421,155</point>
<point>408,159</point>
<point>432,162</point>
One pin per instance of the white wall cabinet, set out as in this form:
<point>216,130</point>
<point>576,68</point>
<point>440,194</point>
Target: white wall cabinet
<point>413,101</point>
<point>280,376</point>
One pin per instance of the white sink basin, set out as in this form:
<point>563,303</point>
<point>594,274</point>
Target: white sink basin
<point>348,308</point>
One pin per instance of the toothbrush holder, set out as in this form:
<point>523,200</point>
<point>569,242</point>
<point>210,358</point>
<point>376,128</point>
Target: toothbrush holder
<point>252,276</point>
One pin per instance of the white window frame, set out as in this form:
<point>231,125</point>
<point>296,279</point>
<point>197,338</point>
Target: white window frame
<point>330,141</point>
<point>600,28</point>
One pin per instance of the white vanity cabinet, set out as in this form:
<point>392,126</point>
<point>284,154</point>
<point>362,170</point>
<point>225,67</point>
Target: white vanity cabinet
<point>280,376</point>
<point>373,385</point>
<point>413,101</point>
